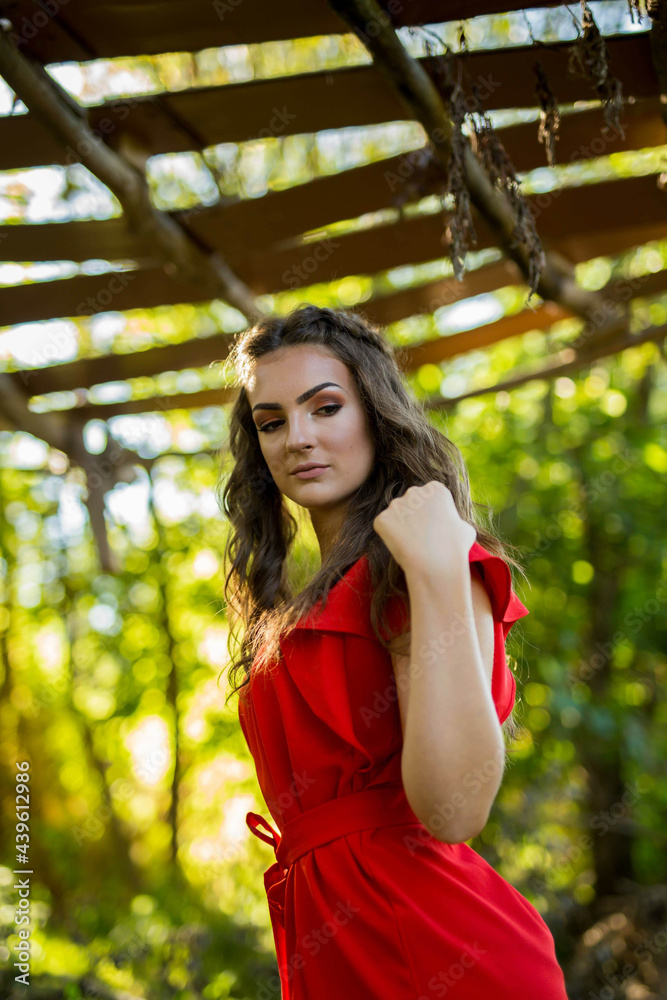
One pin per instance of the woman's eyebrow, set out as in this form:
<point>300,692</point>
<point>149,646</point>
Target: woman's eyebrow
<point>299,399</point>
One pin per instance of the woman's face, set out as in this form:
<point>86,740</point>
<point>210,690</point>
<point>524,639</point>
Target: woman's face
<point>298,426</point>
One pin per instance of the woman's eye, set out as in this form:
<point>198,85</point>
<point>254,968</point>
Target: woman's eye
<point>327,406</point>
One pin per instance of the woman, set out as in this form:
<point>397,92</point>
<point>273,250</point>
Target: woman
<point>374,701</point>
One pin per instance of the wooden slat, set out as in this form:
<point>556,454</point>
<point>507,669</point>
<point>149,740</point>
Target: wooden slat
<point>606,243</point>
<point>425,299</point>
<point>435,351</point>
<point>94,239</point>
<point>645,286</point>
<point>87,29</point>
<point>584,210</point>
<point>348,195</point>
<point>200,352</point>
<point>86,295</point>
<point>286,214</point>
<point>156,404</point>
<point>564,362</point>
<point>583,135</point>
<point>601,208</point>
<point>567,214</point>
<point>311,102</point>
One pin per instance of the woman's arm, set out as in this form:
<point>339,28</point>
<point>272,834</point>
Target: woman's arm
<point>453,749</point>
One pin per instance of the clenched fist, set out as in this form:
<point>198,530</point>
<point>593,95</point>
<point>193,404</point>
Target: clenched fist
<point>424,531</point>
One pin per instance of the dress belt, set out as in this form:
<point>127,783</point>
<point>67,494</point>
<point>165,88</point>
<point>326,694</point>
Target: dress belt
<point>379,806</point>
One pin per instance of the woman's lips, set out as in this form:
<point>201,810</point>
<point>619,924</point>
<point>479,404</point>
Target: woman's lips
<point>311,473</point>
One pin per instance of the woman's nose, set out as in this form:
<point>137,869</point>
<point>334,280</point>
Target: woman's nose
<point>299,434</point>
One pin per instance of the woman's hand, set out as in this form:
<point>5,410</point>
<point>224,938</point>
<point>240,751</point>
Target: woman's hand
<point>424,531</point>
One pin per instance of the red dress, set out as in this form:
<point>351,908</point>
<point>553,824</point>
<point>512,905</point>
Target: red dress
<point>365,904</point>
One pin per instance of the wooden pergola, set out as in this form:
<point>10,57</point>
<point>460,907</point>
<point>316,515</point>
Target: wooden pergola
<point>240,249</point>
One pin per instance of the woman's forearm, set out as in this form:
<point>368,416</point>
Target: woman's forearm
<point>453,748</point>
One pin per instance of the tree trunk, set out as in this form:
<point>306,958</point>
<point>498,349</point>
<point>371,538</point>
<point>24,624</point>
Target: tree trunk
<point>609,799</point>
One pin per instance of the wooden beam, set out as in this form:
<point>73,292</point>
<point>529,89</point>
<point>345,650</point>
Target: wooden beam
<point>56,110</point>
<point>86,295</point>
<point>620,290</point>
<point>425,299</point>
<point>435,351</point>
<point>197,117</point>
<point>65,433</point>
<point>259,224</point>
<point>574,220</point>
<point>78,240</point>
<point>100,28</point>
<point>411,357</point>
<point>566,362</point>
<point>200,352</point>
<point>54,428</point>
<point>608,242</point>
<point>157,404</point>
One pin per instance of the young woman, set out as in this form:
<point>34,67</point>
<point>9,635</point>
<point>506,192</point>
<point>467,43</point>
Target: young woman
<point>375,701</point>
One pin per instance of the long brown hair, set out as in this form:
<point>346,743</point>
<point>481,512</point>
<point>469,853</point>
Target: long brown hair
<point>409,451</point>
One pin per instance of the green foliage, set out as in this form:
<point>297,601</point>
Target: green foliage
<point>99,669</point>
<point>146,880</point>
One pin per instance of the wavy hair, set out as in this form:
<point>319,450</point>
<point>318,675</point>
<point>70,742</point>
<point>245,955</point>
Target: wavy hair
<point>409,451</point>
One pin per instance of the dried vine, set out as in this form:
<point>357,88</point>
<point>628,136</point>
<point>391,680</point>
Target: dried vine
<point>499,167</point>
<point>446,70</point>
<point>589,58</point>
<point>549,113</point>
<point>446,74</point>
<point>635,6</point>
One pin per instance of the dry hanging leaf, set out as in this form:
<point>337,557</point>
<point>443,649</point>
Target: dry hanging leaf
<point>550,113</point>
<point>635,6</point>
<point>445,71</point>
<point>500,169</point>
<point>589,58</point>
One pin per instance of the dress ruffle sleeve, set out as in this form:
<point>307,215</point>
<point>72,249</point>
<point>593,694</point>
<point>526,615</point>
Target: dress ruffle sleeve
<point>496,576</point>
